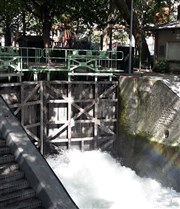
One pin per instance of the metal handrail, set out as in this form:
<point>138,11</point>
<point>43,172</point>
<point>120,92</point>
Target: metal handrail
<point>30,58</point>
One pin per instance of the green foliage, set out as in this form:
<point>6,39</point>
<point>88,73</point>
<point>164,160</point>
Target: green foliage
<point>9,10</point>
<point>152,11</point>
<point>161,66</point>
<point>10,18</point>
<point>84,13</point>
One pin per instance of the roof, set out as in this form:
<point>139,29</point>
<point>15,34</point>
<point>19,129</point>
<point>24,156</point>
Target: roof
<point>166,26</point>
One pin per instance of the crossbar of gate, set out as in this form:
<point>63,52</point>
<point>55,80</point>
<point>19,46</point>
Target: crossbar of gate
<point>93,103</point>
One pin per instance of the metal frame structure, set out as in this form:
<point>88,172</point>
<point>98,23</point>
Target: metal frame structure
<point>48,60</point>
<point>80,111</point>
<point>65,113</point>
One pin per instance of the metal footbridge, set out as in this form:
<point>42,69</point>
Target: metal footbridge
<point>71,62</point>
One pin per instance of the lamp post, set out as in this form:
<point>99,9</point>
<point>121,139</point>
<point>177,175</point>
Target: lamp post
<point>130,47</point>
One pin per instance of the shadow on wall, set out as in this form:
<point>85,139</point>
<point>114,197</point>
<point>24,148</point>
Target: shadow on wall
<point>149,111</point>
<point>150,159</point>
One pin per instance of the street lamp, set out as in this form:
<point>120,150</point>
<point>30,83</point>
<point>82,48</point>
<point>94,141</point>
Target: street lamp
<point>130,47</point>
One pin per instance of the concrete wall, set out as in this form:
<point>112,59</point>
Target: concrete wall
<point>40,176</point>
<point>149,133</point>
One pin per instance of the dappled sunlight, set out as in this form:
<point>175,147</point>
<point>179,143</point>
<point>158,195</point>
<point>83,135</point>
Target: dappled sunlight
<point>31,158</point>
<point>173,83</point>
<point>151,105</point>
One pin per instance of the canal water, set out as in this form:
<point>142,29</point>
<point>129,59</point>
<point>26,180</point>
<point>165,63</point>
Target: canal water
<point>95,180</point>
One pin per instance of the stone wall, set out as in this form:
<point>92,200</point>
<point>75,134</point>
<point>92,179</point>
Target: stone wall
<point>149,134</point>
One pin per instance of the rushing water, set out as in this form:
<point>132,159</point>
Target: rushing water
<point>97,181</point>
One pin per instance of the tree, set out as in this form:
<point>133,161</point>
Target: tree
<point>94,12</point>
<point>124,7</point>
<point>9,16</point>
<point>45,11</point>
<point>42,14</point>
<point>165,11</point>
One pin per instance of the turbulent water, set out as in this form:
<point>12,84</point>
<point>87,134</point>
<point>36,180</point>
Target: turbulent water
<point>97,181</point>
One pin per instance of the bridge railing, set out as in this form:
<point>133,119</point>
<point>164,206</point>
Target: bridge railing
<point>9,59</point>
<point>30,56</point>
<point>47,59</point>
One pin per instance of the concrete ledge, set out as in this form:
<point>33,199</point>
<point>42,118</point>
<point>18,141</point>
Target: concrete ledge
<point>148,131</point>
<point>40,176</point>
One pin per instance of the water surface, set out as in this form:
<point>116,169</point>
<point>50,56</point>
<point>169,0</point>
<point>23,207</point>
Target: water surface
<point>95,180</point>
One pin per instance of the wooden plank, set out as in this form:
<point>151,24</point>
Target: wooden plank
<point>9,84</point>
<point>32,135</point>
<point>3,75</point>
<point>60,101</point>
<point>57,101</point>
<point>26,104</point>
<point>27,98</point>
<point>45,111</point>
<point>32,125</point>
<point>69,115</point>
<point>42,117</point>
<point>107,144</point>
<point>108,90</point>
<point>56,91</point>
<point>22,101</point>
<point>72,140</point>
<point>69,122</point>
<point>81,121</point>
<point>96,116</point>
<point>58,82</point>
<point>80,139</point>
<point>91,74</point>
<point>30,82</point>
<point>82,144</point>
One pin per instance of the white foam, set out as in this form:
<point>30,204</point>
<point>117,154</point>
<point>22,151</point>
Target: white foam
<point>97,181</point>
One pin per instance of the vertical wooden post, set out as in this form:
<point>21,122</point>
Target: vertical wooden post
<point>48,76</point>
<point>69,94</point>
<point>22,106</point>
<point>35,76</point>
<point>95,114</point>
<point>41,117</point>
<point>117,109</point>
<point>82,144</point>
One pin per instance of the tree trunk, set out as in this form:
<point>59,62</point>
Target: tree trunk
<point>24,22</point>
<point>124,7</point>
<point>107,31</point>
<point>47,25</point>
<point>105,38</point>
<point>7,34</point>
<point>46,33</point>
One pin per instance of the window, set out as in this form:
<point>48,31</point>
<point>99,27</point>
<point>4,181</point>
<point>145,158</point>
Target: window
<point>173,51</point>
